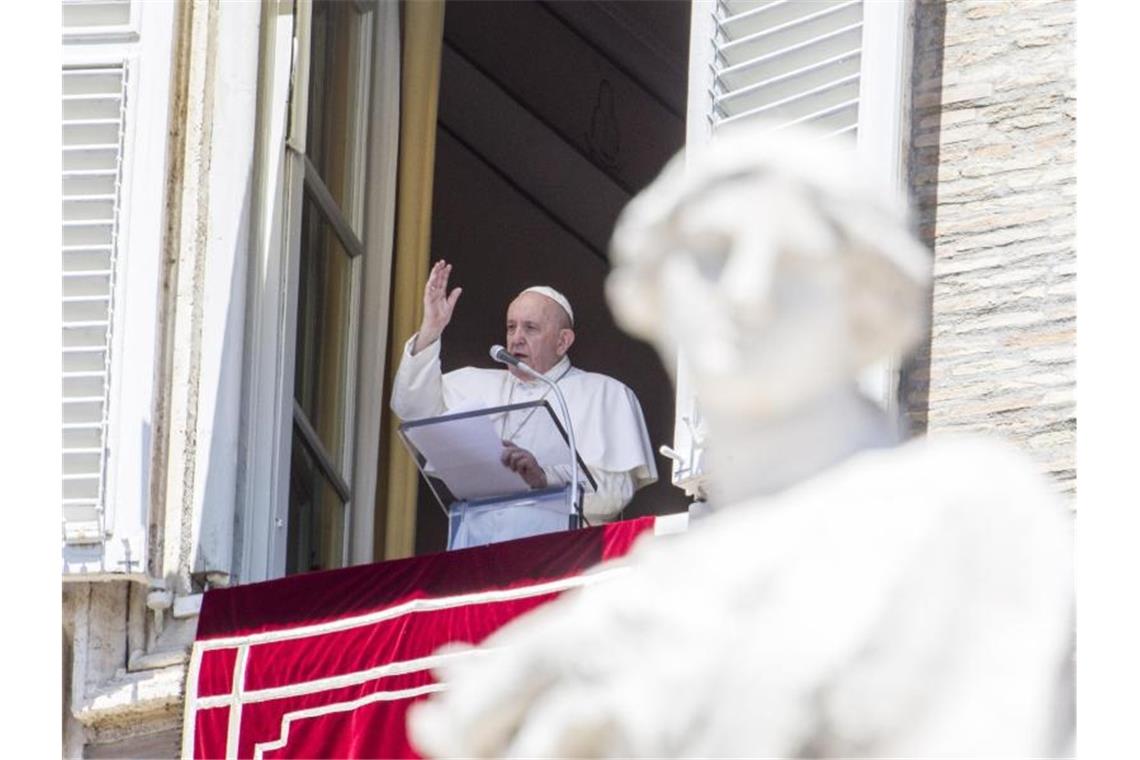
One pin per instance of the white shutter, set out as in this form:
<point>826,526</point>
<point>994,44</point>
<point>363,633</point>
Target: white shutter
<point>794,61</point>
<point>841,66</point>
<point>93,106</point>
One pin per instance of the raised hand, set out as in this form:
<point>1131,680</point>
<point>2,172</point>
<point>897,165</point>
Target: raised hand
<point>438,306</point>
<point>523,462</point>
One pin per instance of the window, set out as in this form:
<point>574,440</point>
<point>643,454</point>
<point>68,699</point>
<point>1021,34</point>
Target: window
<point>317,307</point>
<point>329,251</point>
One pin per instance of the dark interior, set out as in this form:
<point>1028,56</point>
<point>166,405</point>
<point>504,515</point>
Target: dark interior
<point>551,116</point>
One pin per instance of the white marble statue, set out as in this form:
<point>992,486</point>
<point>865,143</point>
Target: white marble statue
<point>845,598</point>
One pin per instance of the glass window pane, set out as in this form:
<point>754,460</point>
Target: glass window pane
<point>324,301</point>
<point>316,517</point>
<point>336,86</point>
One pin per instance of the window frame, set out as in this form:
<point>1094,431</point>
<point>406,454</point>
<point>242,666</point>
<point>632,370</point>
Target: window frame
<point>280,167</point>
<point>884,137</point>
<point>303,179</point>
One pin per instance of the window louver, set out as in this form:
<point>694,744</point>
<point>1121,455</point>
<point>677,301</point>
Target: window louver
<point>93,107</point>
<point>93,15</point>
<point>792,61</point>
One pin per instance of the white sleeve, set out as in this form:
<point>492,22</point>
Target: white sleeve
<point>615,489</point>
<point>417,389</point>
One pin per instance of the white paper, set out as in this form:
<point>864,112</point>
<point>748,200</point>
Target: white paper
<point>465,454</point>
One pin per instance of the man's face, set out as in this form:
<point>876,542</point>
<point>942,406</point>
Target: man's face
<point>538,332</point>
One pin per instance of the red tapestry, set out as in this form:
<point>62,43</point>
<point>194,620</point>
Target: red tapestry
<point>325,664</point>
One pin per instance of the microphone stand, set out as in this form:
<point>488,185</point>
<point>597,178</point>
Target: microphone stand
<point>502,355</point>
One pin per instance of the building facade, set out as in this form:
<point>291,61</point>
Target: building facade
<point>993,173</point>
<point>252,193</point>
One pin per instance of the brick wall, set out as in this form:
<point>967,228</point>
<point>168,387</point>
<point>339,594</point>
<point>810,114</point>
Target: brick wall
<point>992,167</point>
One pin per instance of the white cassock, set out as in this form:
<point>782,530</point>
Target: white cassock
<point>608,423</point>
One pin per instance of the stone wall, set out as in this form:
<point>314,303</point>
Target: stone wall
<point>118,700</point>
<point>992,166</point>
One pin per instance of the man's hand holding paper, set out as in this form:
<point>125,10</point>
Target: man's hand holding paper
<point>523,462</point>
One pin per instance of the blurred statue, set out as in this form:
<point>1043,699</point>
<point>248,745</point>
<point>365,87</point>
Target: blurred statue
<point>845,598</point>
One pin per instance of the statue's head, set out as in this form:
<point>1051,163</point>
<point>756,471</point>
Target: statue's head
<point>775,263</point>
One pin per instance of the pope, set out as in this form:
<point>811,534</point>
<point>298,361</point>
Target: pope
<point>608,422</point>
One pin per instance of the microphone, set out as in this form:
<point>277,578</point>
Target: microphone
<point>501,355</point>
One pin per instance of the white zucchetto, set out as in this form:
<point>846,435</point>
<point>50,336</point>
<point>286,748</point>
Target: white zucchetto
<point>555,296</point>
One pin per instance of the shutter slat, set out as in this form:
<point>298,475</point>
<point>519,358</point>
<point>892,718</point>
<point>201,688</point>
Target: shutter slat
<point>90,173</point>
<point>93,122</point>
<point>88,312</point>
<point>85,325</point>
<point>809,75</point>
<point>94,184</point>
<point>76,413</point>
<point>791,36</point>
<point>88,211</point>
<point>80,509</point>
<point>95,15</point>
<point>79,385</point>
<point>90,158</point>
<point>86,258</point>
<point>91,92</point>
<point>815,100</point>
<point>93,108</point>
<point>89,198</point>
<point>751,11</point>
<point>82,360</point>
<point>82,463</point>
<point>788,62</point>
<point>93,118</point>
<point>782,18</point>
<point>80,273</point>
<point>734,8</point>
<point>94,81</point>
<point>87,234</point>
<point>91,148</point>
<point>83,438</point>
<point>85,312</point>
<point>843,41</point>
<point>91,132</point>
<point>843,112</point>
<point>86,284</point>
<point>81,488</point>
